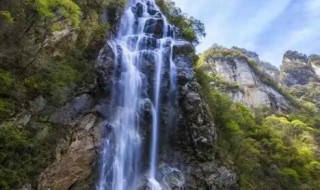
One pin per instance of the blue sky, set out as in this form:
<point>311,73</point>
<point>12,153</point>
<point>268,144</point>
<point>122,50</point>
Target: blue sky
<point>268,27</point>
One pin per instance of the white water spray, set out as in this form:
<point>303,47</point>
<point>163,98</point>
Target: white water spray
<point>144,32</point>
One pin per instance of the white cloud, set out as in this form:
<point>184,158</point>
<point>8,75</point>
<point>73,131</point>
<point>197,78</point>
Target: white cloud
<point>303,39</point>
<point>312,7</point>
<point>258,22</point>
<point>248,24</point>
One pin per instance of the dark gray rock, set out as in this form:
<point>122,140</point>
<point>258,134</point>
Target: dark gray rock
<point>294,55</point>
<point>147,66</point>
<point>183,48</point>
<point>188,157</point>
<point>105,69</point>
<point>297,76</point>
<point>154,27</point>
<point>138,10</point>
<point>199,121</point>
<point>219,177</point>
<point>151,8</point>
<point>148,43</point>
<point>145,112</point>
<point>184,70</point>
<point>37,105</point>
<point>23,118</point>
<point>296,69</point>
<point>69,114</point>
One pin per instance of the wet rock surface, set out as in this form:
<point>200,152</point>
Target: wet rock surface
<point>151,8</point>
<point>138,9</point>
<point>154,27</point>
<point>105,69</point>
<point>187,157</point>
<point>188,154</point>
<point>188,136</point>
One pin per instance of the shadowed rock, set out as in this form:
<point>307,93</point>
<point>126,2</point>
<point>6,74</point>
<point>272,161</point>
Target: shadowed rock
<point>154,27</point>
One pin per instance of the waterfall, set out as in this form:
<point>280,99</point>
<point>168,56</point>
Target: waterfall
<point>143,57</point>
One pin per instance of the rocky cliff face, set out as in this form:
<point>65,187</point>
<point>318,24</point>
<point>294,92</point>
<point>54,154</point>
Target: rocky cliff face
<point>192,145</point>
<point>245,78</point>
<point>266,67</point>
<point>315,64</point>
<point>187,152</point>
<point>76,156</point>
<point>299,69</point>
<point>301,73</point>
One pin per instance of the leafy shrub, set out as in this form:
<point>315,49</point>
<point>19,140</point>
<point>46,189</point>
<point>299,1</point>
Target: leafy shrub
<point>29,68</point>
<point>22,155</point>
<point>52,9</point>
<point>219,52</point>
<point>6,15</point>
<point>269,151</point>
<point>6,86</point>
<point>190,28</point>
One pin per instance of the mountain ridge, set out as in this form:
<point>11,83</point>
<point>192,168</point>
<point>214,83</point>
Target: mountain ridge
<point>244,69</point>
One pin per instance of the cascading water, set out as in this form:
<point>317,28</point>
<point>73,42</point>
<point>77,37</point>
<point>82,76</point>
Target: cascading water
<point>143,50</point>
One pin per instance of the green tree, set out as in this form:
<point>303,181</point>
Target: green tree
<point>190,28</point>
<point>6,15</point>
<point>55,9</point>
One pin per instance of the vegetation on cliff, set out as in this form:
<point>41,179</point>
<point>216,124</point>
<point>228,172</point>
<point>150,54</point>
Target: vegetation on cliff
<point>189,28</point>
<point>269,150</point>
<point>47,50</point>
<point>305,103</point>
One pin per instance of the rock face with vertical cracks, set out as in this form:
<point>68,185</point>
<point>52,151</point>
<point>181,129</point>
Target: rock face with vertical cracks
<point>187,148</point>
<point>187,157</point>
<point>299,69</point>
<point>105,69</point>
<point>77,156</point>
<point>191,147</point>
<point>245,78</point>
<point>74,165</point>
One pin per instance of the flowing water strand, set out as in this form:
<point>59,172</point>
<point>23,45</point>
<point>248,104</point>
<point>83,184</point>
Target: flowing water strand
<point>138,36</point>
